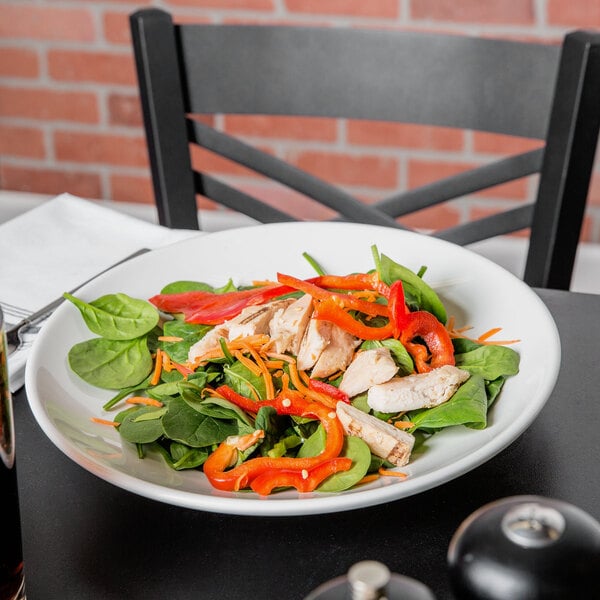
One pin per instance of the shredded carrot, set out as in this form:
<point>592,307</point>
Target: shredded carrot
<point>274,364</point>
<point>269,386</point>
<point>484,338</point>
<point>403,424</point>
<point>104,422</point>
<point>143,400</point>
<point>368,479</point>
<point>388,473</point>
<point>247,363</point>
<point>297,382</point>
<point>157,367</point>
<point>304,376</point>
<point>169,338</point>
<point>255,341</point>
<point>367,295</point>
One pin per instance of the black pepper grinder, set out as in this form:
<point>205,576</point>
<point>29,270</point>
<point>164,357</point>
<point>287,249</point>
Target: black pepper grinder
<point>371,580</point>
<point>526,547</point>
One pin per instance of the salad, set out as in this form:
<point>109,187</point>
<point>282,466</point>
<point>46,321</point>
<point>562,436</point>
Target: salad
<point>317,384</point>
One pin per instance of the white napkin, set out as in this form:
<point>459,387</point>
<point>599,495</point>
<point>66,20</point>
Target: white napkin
<point>56,247</point>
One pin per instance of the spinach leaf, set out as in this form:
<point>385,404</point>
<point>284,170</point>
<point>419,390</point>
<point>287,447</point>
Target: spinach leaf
<point>417,292</point>
<point>186,425</point>
<point>360,453</point>
<point>468,406</point>
<point>184,457</point>
<point>142,425</point>
<point>117,316</point>
<point>190,334</point>
<point>244,381</point>
<point>179,287</point>
<point>111,364</point>
<point>314,445</point>
<point>489,361</point>
<point>219,408</point>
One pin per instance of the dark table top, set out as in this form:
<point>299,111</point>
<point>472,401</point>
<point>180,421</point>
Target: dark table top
<point>86,539</point>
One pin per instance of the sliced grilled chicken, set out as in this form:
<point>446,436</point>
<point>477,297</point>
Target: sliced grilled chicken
<point>209,342</point>
<point>337,355</point>
<point>288,325</point>
<point>368,368</point>
<point>255,320</point>
<point>384,440</point>
<point>251,321</point>
<point>423,390</point>
<point>316,338</point>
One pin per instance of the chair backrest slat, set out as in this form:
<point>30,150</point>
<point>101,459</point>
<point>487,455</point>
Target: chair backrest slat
<point>537,91</point>
<point>366,74</point>
<point>462,184</point>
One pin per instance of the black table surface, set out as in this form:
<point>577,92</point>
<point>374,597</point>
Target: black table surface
<point>87,539</point>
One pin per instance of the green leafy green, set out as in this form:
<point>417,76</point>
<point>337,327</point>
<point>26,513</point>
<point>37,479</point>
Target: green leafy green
<point>417,292</point>
<point>117,316</point>
<point>111,364</point>
<point>189,333</point>
<point>186,425</point>
<point>468,406</point>
<point>360,453</point>
<point>489,361</point>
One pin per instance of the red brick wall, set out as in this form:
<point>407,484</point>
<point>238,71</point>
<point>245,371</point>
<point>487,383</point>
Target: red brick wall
<point>70,120</point>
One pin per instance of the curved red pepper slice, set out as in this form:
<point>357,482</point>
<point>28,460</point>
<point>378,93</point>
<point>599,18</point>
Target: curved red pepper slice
<point>330,310</point>
<point>424,325</point>
<point>290,403</point>
<point>303,481</point>
<point>209,308</point>
<point>397,307</point>
<point>346,300</point>
<point>330,390</point>
<point>355,281</point>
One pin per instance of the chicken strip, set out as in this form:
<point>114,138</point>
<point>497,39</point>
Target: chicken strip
<point>255,320</point>
<point>337,354</point>
<point>384,440</point>
<point>288,325</point>
<point>423,390</point>
<point>367,369</point>
<point>251,321</point>
<point>314,341</point>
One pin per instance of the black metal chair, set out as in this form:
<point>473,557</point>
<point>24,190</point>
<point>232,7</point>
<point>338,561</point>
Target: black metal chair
<point>545,92</point>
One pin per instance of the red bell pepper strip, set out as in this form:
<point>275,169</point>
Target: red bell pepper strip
<point>330,390</point>
<point>355,281</point>
<point>347,300</point>
<point>424,325</point>
<point>212,309</point>
<point>330,310</point>
<point>289,402</point>
<point>397,307</point>
<point>303,481</point>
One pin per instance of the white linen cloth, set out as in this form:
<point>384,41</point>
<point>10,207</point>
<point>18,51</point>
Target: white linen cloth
<point>55,248</point>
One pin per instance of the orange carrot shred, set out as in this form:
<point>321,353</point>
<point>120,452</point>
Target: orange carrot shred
<point>105,422</point>
<point>403,424</point>
<point>368,479</point>
<point>143,400</point>
<point>157,367</point>
<point>388,473</point>
<point>170,338</point>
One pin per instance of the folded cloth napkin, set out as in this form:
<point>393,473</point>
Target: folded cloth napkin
<point>55,248</point>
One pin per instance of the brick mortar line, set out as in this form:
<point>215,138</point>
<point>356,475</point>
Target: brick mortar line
<point>87,167</point>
